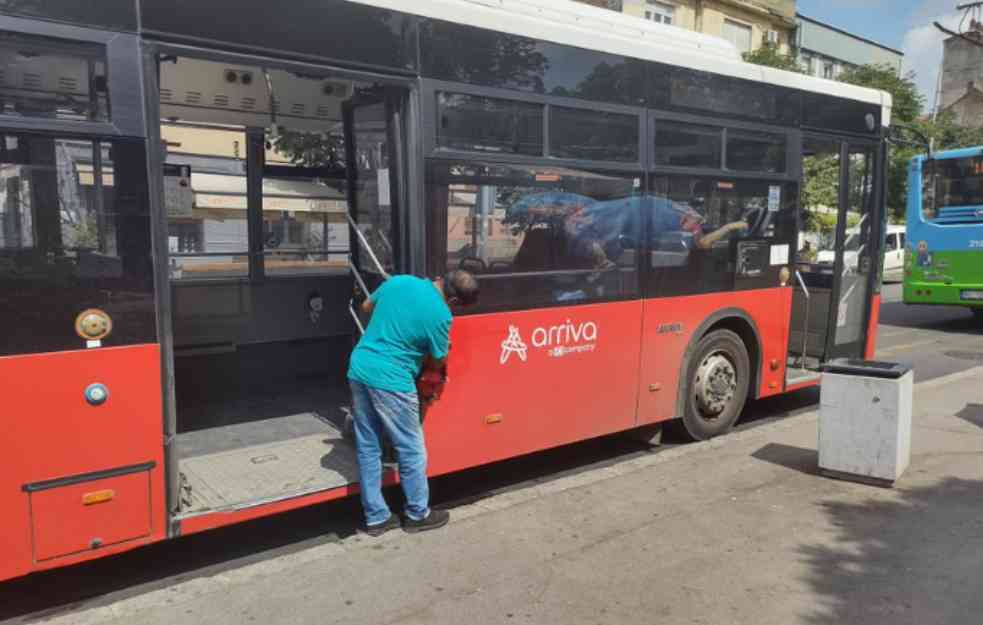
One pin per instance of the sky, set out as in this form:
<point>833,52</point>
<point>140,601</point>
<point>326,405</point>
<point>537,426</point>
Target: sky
<point>905,25</point>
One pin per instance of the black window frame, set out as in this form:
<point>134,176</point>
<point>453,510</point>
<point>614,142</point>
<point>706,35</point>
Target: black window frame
<point>124,77</point>
<point>793,143</point>
<point>431,149</point>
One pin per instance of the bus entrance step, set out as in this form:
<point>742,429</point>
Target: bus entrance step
<point>263,473</point>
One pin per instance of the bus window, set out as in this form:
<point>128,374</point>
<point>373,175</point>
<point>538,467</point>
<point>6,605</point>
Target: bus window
<point>476,124</point>
<point>74,235</point>
<point>958,183</point>
<point>593,135</point>
<point>695,220</point>
<point>39,80</point>
<point>756,151</point>
<point>536,235</point>
<point>688,145</point>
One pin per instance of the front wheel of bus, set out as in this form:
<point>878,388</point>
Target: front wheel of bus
<point>718,378</point>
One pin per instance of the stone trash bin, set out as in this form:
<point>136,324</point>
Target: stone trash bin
<point>865,421</point>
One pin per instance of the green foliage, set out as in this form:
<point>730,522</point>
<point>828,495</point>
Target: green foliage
<point>908,102</point>
<point>769,55</point>
<point>309,149</point>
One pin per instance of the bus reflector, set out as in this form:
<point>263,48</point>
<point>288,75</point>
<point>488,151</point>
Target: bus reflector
<point>99,496</point>
<point>493,419</point>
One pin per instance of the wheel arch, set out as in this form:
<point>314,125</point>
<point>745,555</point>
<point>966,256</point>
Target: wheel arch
<point>740,323</point>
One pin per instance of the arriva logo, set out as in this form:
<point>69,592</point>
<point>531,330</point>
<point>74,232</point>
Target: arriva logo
<point>559,340</point>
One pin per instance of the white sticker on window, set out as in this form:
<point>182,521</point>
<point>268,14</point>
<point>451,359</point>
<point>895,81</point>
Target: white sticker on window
<point>774,198</point>
<point>779,254</point>
<point>384,195</point>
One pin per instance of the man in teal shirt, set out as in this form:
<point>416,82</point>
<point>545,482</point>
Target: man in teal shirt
<point>411,321</point>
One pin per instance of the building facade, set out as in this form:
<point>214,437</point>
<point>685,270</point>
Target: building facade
<point>748,24</point>
<point>961,87</point>
<point>826,51</point>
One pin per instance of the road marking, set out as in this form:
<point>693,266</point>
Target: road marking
<point>894,348</point>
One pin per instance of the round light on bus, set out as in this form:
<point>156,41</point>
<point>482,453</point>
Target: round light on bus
<point>93,324</point>
<point>871,122</point>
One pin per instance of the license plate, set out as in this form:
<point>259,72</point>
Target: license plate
<point>972,295</point>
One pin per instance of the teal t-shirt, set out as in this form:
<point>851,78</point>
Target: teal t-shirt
<point>410,320</point>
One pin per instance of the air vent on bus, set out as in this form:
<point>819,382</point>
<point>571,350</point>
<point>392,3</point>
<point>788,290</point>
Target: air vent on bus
<point>221,100</point>
<point>960,215</point>
<point>32,80</point>
<point>66,83</point>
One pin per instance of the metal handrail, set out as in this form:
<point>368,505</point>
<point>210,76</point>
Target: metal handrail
<point>368,248</point>
<point>354,313</point>
<point>805,325</point>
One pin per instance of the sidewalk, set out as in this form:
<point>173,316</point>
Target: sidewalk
<point>737,530</point>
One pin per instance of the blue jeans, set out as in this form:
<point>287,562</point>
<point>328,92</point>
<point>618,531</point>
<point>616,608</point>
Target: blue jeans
<point>397,416</point>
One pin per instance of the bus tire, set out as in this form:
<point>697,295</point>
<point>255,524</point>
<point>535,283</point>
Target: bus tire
<point>977,314</point>
<point>717,381</point>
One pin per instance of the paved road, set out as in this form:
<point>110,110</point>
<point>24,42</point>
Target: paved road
<point>937,341</point>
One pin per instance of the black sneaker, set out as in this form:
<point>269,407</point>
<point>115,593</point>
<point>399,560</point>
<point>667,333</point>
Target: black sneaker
<point>436,518</point>
<point>378,530</point>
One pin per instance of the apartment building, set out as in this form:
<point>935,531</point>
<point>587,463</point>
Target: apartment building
<point>826,51</point>
<point>748,24</point>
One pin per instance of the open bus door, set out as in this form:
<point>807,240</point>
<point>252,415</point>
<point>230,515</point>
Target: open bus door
<point>838,274</point>
<point>374,158</point>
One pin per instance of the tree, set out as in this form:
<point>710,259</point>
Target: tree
<point>908,102</point>
<point>770,56</point>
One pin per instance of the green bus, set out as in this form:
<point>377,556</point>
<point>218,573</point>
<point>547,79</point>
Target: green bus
<point>944,259</point>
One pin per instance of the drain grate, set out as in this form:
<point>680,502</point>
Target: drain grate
<point>972,356</point>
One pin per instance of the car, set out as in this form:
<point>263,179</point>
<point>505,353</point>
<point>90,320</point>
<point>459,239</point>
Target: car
<point>894,249</point>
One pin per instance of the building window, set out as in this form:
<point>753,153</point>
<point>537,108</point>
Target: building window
<point>660,12</point>
<point>810,64</point>
<point>738,34</point>
<point>829,70</point>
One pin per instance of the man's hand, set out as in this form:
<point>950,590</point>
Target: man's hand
<point>368,306</point>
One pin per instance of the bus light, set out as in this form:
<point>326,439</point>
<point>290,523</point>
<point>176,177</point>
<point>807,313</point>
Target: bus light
<point>99,496</point>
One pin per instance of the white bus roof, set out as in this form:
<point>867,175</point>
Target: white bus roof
<point>584,26</point>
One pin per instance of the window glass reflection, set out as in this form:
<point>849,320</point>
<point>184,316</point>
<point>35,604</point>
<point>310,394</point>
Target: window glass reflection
<point>593,135</point>
<point>477,124</point>
<point>539,235</point>
<point>46,78</point>
<point>74,234</point>
<point>688,145</point>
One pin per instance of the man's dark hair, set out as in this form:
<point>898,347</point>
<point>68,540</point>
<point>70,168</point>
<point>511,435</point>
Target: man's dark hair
<point>461,287</point>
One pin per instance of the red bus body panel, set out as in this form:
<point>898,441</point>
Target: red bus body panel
<point>663,351</point>
<point>576,378</point>
<point>497,405</point>
<point>52,433</point>
<point>875,320</point>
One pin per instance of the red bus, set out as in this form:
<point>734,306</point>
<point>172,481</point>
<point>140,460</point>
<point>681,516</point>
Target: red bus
<point>193,188</point>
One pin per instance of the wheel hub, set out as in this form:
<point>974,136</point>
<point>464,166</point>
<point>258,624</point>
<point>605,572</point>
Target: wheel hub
<point>715,385</point>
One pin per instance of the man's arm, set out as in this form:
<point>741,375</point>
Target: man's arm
<point>706,241</point>
<point>369,304</point>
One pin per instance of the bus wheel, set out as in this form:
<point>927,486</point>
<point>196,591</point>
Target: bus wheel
<point>718,377</point>
<point>977,314</point>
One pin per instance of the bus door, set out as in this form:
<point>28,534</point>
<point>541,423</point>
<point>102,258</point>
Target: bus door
<point>857,253</point>
<point>374,157</point>
<point>838,253</point>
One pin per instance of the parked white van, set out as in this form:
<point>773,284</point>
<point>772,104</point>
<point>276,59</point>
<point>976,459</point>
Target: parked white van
<point>893,253</point>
